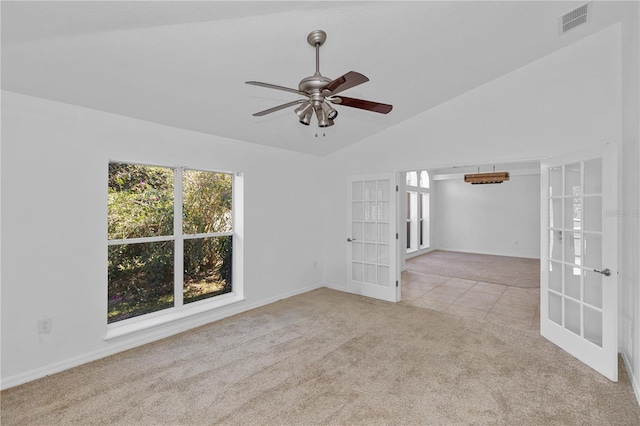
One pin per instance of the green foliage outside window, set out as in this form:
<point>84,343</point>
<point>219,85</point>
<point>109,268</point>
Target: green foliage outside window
<point>207,202</point>
<point>141,204</point>
<point>140,201</point>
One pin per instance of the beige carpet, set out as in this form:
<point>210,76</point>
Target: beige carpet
<point>327,357</point>
<point>513,271</point>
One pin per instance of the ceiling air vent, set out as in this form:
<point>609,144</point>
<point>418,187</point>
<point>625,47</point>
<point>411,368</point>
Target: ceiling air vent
<point>576,17</point>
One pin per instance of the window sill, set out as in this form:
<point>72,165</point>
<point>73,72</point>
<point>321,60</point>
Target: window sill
<point>147,322</point>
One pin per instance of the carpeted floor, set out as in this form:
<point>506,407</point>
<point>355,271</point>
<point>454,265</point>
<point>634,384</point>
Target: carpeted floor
<point>512,271</point>
<point>327,357</point>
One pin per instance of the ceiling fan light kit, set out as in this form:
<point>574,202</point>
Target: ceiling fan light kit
<point>486,178</point>
<point>320,91</point>
<point>304,112</point>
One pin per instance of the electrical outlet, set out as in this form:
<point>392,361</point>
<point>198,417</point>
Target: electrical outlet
<point>44,325</point>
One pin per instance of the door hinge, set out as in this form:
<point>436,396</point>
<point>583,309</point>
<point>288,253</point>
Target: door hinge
<point>396,283</point>
<point>397,189</point>
<point>397,235</point>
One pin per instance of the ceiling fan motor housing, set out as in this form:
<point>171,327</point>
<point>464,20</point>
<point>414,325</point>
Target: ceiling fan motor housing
<point>313,84</point>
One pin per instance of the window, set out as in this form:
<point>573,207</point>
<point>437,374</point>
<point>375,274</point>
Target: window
<point>417,202</point>
<point>170,237</point>
<point>412,178</point>
<point>424,179</point>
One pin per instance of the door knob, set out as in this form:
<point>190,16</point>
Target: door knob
<point>605,272</point>
<point>351,239</point>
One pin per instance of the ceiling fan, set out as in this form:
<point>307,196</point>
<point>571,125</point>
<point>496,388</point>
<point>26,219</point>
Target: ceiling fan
<point>320,90</point>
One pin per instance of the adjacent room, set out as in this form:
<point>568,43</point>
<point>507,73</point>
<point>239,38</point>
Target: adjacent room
<point>487,262</point>
<point>289,212</point>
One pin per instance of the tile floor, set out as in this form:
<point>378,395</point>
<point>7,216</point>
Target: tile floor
<point>493,303</point>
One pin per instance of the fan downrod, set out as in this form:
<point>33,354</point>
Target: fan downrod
<point>312,85</point>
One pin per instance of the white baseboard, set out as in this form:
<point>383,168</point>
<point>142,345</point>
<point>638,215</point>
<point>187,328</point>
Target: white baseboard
<point>335,287</point>
<point>417,253</point>
<point>491,253</point>
<point>634,380</point>
<point>151,335</point>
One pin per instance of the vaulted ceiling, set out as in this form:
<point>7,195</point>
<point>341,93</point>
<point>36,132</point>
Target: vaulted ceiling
<point>184,64</point>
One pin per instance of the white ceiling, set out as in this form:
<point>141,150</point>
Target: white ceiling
<point>184,63</point>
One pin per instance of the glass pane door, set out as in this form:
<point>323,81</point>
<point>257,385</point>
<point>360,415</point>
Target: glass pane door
<point>575,225</point>
<point>578,292</point>
<point>372,243</point>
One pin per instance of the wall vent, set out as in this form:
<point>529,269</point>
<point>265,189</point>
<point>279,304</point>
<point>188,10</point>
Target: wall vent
<point>576,17</point>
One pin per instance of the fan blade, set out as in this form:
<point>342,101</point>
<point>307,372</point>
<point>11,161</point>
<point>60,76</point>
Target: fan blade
<point>362,104</point>
<point>274,86</point>
<point>278,108</point>
<point>345,82</point>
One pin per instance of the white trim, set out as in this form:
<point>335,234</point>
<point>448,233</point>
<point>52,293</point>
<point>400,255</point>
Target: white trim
<point>207,235</point>
<point>460,176</point>
<point>634,381</point>
<point>498,161</point>
<point>150,321</point>
<point>168,166</point>
<point>420,252</point>
<point>157,333</point>
<point>178,245</point>
<point>415,221</point>
<point>138,240</point>
<point>484,252</point>
<point>237,223</point>
<point>342,288</point>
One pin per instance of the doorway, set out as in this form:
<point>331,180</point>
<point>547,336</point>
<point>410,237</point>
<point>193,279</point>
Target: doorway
<point>471,226</point>
<point>578,286</point>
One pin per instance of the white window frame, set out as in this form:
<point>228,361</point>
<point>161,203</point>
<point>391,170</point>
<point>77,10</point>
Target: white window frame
<point>413,218</point>
<point>180,310</point>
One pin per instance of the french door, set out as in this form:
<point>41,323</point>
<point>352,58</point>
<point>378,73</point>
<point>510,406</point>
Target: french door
<point>372,250</point>
<point>578,286</point>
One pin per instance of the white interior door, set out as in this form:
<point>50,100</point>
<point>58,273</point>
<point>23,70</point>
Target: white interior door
<point>371,236</point>
<point>578,287</point>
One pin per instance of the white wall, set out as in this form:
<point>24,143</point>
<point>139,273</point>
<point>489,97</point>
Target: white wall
<point>495,219</point>
<point>628,222</point>
<point>54,221</point>
<point>564,102</point>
